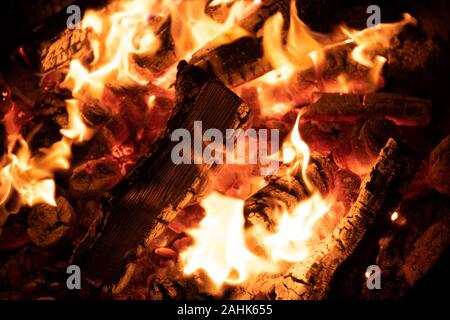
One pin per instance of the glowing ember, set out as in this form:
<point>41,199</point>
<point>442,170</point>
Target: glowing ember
<point>394,216</point>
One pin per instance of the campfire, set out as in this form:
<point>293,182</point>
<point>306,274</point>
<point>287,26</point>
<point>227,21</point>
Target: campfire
<point>232,149</point>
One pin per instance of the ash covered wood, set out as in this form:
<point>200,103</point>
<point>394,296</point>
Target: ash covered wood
<point>153,192</point>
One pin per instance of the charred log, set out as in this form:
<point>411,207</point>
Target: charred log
<point>243,59</point>
<point>379,194</point>
<point>69,45</point>
<point>403,110</point>
<point>148,199</point>
<point>286,190</point>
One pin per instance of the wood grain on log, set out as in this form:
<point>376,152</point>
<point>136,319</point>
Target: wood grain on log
<point>152,193</point>
<point>243,59</point>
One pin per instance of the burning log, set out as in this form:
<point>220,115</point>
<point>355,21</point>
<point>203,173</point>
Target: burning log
<point>402,110</point>
<point>287,191</point>
<point>233,62</point>
<point>243,59</point>
<point>379,193</point>
<point>48,225</point>
<point>69,45</point>
<point>148,199</point>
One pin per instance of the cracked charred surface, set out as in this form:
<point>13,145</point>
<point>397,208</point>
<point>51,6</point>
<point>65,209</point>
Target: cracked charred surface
<point>379,193</point>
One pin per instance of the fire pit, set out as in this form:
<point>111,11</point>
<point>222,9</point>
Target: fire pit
<point>225,149</point>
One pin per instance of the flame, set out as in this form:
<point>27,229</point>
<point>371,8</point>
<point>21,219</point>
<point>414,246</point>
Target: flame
<point>372,40</point>
<point>219,247</point>
<point>77,130</point>
<point>192,28</point>
<point>32,176</point>
<point>122,29</point>
<point>119,30</point>
<point>303,50</point>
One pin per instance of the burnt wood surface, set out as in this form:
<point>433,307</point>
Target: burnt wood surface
<point>379,194</point>
<point>243,59</point>
<point>152,193</point>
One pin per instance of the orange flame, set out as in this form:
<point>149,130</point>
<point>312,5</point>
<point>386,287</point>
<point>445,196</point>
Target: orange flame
<point>304,50</point>
<point>219,247</point>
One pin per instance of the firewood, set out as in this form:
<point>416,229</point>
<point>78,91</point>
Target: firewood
<point>65,47</point>
<point>379,194</point>
<point>403,110</point>
<point>234,63</point>
<point>285,190</point>
<point>153,192</point>
<point>243,59</point>
<point>49,225</point>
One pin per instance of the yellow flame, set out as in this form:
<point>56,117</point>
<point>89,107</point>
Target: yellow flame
<point>32,176</point>
<point>219,247</point>
<point>300,52</point>
<point>371,40</point>
<point>77,130</point>
<point>122,29</point>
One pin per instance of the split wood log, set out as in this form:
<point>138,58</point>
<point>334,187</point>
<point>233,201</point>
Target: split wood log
<point>67,46</point>
<point>379,194</point>
<point>153,192</point>
<point>243,59</point>
<point>402,110</point>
